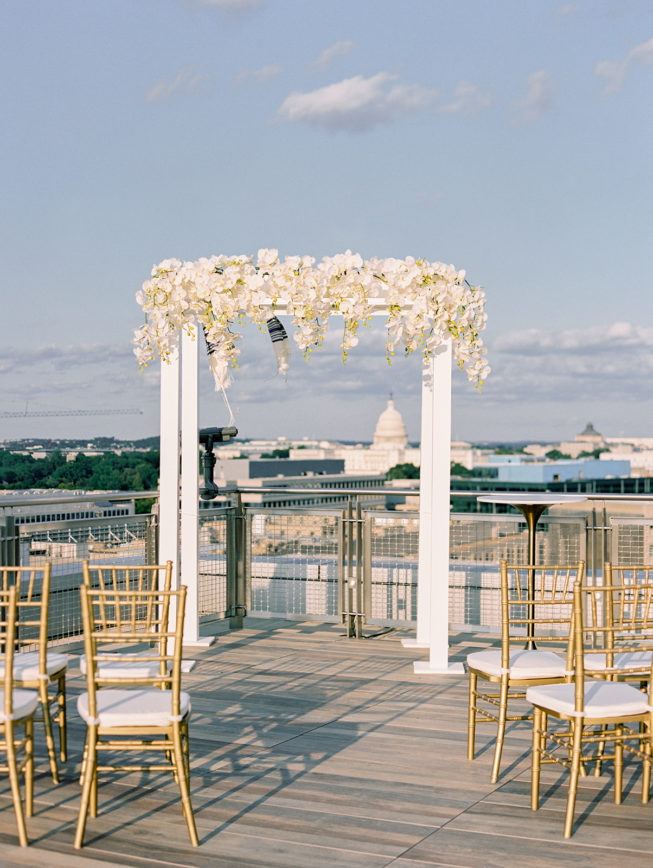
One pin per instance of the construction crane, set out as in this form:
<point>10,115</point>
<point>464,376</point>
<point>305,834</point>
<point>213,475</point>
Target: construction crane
<point>21,414</point>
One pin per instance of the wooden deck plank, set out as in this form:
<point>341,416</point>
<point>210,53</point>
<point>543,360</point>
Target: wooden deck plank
<point>309,749</point>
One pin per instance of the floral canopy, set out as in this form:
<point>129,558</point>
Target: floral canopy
<point>425,304</point>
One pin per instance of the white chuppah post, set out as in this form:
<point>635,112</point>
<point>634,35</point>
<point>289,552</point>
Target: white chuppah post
<point>169,469</point>
<point>434,518</point>
<point>169,466</point>
<point>190,474</point>
<point>179,524</point>
<point>422,639</point>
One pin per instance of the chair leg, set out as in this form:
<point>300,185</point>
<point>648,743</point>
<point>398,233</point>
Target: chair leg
<point>84,757</point>
<point>90,771</point>
<point>47,722</point>
<point>577,742</point>
<point>471,715</point>
<point>646,771</point>
<point>93,805</point>
<point>29,767</point>
<point>14,782</point>
<point>186,743</point>
<point>503,713</point>
<point>536,760</point>
<point>600,750</point>
<point>184,784</point>
<point>618,763</point>
<point>61,718</point>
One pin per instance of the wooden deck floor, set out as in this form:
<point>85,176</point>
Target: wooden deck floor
<point>312,750</point>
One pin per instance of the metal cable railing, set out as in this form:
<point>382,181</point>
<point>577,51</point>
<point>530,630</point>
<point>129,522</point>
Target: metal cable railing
<point>283,562</point>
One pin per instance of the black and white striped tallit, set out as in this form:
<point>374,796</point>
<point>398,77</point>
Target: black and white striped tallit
<point>280,344</point>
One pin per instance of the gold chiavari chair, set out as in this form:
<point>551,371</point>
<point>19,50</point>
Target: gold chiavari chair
<point>17,709</point>
<point>536,605</point>
<point>116,577</point>
<point>41,669</point>
<point>619,622</point>
<point>593,711</point>
<point>145,713</point>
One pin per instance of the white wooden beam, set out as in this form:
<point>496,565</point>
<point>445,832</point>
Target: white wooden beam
<point>190,483</point>
<point>169,466</point>
<point>422,639</point>
<point>436,525</point>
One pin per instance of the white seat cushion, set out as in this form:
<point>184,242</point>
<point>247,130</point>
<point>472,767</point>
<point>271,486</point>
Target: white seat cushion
<point>139,708</point>
<point>119,668</point>
<point>635,660</point>
<point>26,665</point>
<point>25,702</point>
<point>523,664</point>
<point>603,699</point>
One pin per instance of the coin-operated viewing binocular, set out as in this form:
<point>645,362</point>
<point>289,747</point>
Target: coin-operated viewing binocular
<point>208,438</point>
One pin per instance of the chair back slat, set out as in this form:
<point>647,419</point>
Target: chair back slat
<point>8,609</point>
<point>116,578</point>
<point>537,600</point>
<point>617,617</point>
<point>32,604</point>
<point>102,634</point>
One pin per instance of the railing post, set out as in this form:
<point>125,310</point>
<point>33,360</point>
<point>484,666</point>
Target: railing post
<point>341,561</point>
<point>151,536</point>
<point>353,594</point>
<point>9,542</point>
<point>237,585</point>
<point>366,530</point>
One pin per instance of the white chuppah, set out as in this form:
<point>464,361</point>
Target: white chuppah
<point>429,307</point>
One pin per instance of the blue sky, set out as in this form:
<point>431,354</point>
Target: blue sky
<point>511,139</point>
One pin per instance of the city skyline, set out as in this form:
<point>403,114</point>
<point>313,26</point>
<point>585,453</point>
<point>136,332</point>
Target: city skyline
<point>513,142</point>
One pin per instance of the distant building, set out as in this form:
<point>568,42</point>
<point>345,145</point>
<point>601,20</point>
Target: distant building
<point>389,447</point>
<point>564,470</point>
<point>40,509</point>
<point>242,470</point>
<point>640,460</point>
<point>588,440</point>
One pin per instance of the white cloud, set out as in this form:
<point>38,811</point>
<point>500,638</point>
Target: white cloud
<point>539,96</point>
<point>616,336</point>
<point>606,364</point>
<point>258,76</point>
<point>76,377</point>
<point>325,59</point>
<point>468,99</point>
<point>355,104</point>
<point>187,80</point>
<point>615,72</point>
<point>63,357</point>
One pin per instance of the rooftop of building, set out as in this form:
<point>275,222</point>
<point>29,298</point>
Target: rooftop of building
<point>308,749</point>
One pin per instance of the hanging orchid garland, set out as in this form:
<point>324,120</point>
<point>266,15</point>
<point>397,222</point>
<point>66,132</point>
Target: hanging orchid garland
<point>428,303</point>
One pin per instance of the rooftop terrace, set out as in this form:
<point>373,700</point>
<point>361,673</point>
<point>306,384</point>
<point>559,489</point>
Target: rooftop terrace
<point>308,749</point>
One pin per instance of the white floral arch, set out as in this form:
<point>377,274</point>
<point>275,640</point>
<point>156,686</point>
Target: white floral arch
<point>428,306</point>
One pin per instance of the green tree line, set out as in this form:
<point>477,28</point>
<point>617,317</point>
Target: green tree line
<point>132,471</point>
